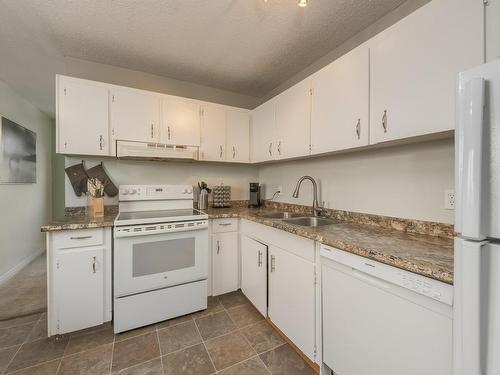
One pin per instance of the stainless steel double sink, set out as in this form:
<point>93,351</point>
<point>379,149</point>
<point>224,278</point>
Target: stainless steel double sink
<point>298,219</point>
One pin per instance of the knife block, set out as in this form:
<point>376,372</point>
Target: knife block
<point>95,206</point>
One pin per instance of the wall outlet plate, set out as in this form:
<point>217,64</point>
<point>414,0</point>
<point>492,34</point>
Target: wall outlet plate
<point>449,199</point>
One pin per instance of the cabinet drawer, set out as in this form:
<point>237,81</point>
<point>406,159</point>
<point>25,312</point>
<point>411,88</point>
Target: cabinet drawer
<point>224,225</point>
<point>78,238</point>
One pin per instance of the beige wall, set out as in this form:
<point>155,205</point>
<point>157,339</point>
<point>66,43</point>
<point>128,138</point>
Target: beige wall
<point>402,181</point>
<point>25,207</point>
<point>132,78</point>
<point>492,30</point>
<point>124,172</point>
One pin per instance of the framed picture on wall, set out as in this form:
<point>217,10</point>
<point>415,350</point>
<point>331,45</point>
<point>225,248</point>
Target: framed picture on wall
<point>17,153</point>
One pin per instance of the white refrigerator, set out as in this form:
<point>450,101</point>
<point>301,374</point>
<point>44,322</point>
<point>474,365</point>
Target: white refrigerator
<point>476,326</point>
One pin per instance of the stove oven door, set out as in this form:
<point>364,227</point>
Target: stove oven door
<point>154,261</point>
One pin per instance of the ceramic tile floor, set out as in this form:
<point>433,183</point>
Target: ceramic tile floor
<point>228,338</point>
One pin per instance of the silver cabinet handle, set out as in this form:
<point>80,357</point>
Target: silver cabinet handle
<point>273,263</point>
<point>270,149</point>
<point>101,142</point>
<point>358,128</point>
<point>259,259</point>
<point>93,264</point>
<point>220,151</point>
<point>168,132</point>
<point>234,152</point>
<point>224,224</point>
<point>218,247</point>
<point>384,121</point>
<point>152,131</point>
<point>279,148</point>
<point>80,238</point>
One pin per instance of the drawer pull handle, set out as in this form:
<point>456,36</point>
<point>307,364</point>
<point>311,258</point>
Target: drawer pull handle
<point>225,224</point>
<point>80,238</point>
<point>93,264</point>
<point>273,263</point>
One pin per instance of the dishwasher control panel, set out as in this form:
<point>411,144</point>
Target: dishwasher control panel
<point>426,286</point>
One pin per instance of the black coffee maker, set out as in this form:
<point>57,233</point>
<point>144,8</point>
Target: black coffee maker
<point>254,194</point>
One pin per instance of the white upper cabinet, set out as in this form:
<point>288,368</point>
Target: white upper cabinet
<point>414,67</point>
<point>340,103</point>
<point>135,115</point>
<point>180,121</point>
<point>237,136</point>
<point>82,117</point>
<point>213,133</point>
<point>263,131</point>
<point>293,120</point>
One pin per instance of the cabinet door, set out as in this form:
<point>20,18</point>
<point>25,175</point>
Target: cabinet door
<point>224,263</point>
<point>135,115</point>
<point>181,122</point>
<point>79,289</point>
<point>254,272</point>
<point>238,136</point>
<point>213,134</point>
<point>340,108</point>
<point>414,68</point>
<point>82,117</point>
<point>292,298</point>
<point>293,121</point>
<point>263,131</point>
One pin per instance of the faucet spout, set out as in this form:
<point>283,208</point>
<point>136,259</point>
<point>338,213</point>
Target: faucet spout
<point>315,192</point>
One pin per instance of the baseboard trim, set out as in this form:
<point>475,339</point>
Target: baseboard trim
<point>18,267</point>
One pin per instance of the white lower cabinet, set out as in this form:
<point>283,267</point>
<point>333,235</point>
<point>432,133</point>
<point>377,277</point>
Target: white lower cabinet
<point>225,275</point>
<point>288,283</point>
<point>292,298</point>
<point>79,283</point>
<point>254,272</point>
<point>79,279</point>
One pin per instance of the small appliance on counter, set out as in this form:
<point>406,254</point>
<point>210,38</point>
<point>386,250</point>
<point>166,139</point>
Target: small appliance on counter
<point>203,195</point>
<point>255,195</point>
<point>221,196</point>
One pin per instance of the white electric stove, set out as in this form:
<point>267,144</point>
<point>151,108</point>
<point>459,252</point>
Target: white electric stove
<point>160,255</point>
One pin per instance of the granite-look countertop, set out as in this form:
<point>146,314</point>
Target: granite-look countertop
<point>427,255</point>
<point>81,220</point>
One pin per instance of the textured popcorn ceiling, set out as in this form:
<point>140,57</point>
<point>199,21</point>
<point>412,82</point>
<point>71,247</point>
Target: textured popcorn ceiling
<point>245,46</point>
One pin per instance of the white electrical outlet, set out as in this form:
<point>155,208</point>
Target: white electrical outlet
<point>449,199</point>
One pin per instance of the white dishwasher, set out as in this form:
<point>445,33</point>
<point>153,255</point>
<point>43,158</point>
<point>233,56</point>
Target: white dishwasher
<point>380,320</point>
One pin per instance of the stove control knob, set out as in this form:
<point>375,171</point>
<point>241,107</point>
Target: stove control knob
<point>133,191</point>
<point>189,191</point>
<point>125,192</point>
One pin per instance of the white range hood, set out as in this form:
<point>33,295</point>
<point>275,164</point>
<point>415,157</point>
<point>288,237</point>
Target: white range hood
<point>154,151</point>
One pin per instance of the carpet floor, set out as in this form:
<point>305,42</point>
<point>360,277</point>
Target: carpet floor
<point>26,292</point>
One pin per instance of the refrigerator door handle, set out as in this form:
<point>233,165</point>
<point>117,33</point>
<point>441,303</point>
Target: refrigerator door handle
<point>470,158</point>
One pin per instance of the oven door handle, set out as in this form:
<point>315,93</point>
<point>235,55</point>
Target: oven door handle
<point>121,232</point>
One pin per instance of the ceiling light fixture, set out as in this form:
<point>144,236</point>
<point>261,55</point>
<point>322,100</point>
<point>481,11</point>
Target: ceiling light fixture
<point>302,3</point>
